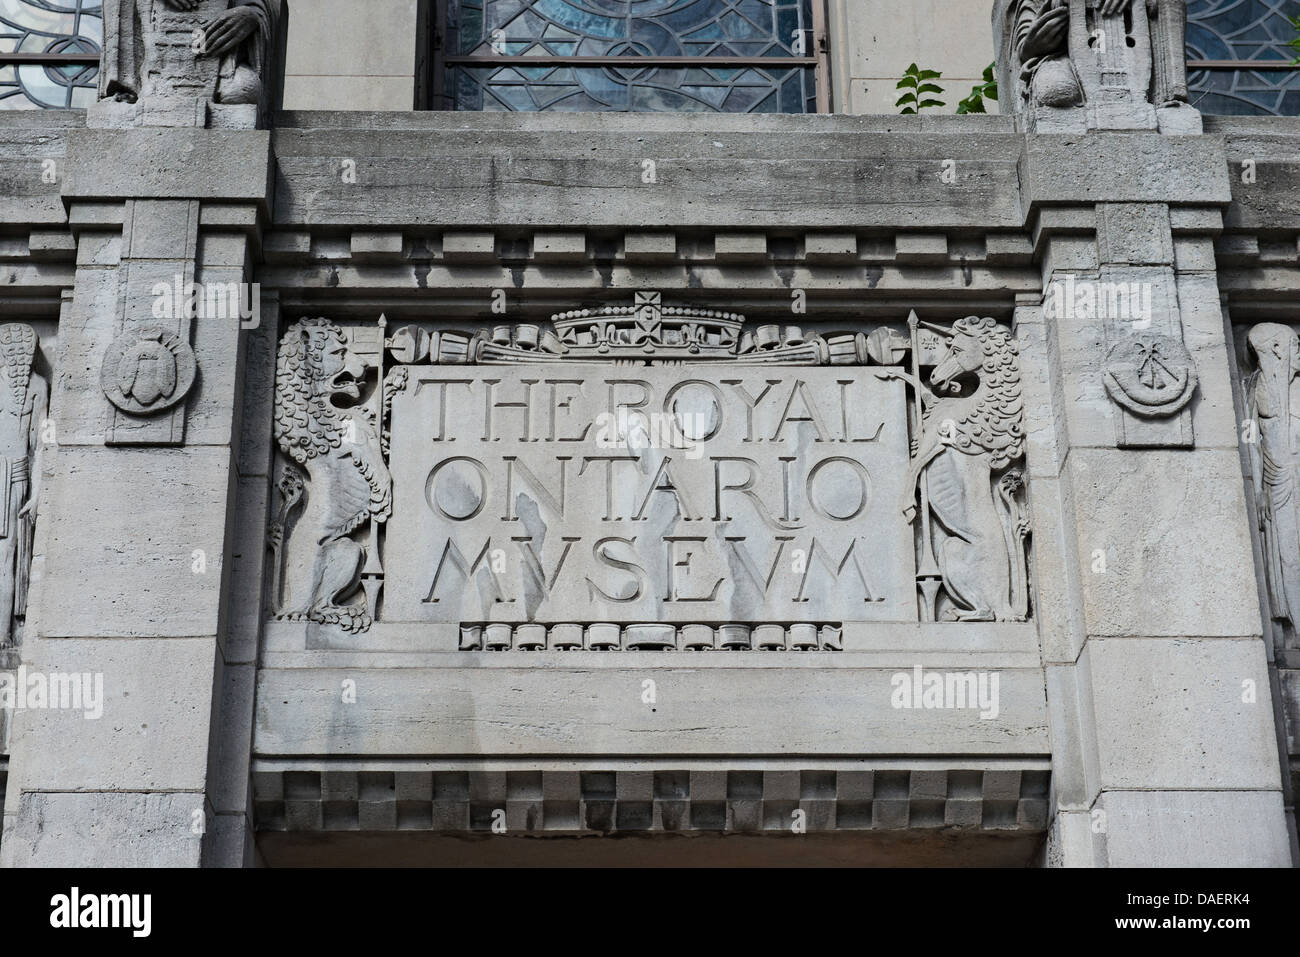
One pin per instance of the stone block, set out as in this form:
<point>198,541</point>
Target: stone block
<point>102,829</point>
<point>1170,530</point>
<point>650,247</point>
<point>830,247</point>
<point>168,163</point>
<point>152,732</point>
<point>559,247</point>
<point>468,246</point>
<point>1170,714</point>
<point>1195,829</point>
<point>921,248</point>
<point>1124,168</point>
<point>132,578</point>
<point>1135,234</point>
<point>740,247</point>
<point>51,244</point>
<point>370,245</point>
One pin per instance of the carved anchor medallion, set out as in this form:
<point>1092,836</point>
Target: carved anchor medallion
<point>1150,375</point>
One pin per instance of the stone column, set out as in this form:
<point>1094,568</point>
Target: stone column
<point>1163,736</point>
<point>133,557</point>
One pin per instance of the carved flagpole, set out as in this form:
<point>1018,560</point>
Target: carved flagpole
<point>928,576</point>
<point>372,575</point>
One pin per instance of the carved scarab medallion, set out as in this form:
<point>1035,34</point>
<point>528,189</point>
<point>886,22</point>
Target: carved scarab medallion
<point>1151,375</point>
<point>147,370</point>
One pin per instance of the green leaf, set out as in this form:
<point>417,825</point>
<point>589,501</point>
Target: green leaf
<point>929,88</point>
<point>925,103</point>
<point>907,98</point>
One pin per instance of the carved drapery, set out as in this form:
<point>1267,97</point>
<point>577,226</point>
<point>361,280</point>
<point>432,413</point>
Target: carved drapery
<point>1096,64</point>
<point>220,51</point>
<point>1271,437</point>
<point>24,399</point>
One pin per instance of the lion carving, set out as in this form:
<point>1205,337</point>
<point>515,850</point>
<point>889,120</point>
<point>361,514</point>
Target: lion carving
<point>335,484</point>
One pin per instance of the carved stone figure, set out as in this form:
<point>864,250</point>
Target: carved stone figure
<point>337,484</point>
<point>979,524</point>
<point>1066,52</point>
<point>1046,77</point>
<point>1168,30</point>
<point>148,44</point>
<point>24,397</point>
<point>1273,405</point>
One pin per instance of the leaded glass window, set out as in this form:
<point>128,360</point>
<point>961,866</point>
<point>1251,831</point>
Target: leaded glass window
<point>49,53</point>
<point>726,56</point>
<point>1225,41</point>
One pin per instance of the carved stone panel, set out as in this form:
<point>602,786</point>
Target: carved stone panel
<point>24,401</point>
<point>647,476</point>
<point>1271,438</point>
<point>602,493</point>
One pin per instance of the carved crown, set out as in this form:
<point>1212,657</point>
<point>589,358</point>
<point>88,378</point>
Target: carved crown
<point>648,327</point>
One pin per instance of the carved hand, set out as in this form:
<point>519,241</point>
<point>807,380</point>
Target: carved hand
<point>1045,36</point>
<point>224,33</point>
<point>182,4</point>
<point>1109,7</point>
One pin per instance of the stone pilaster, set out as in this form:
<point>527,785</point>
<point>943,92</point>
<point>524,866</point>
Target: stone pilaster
<point>1163,737</point>
<point>134,550</point>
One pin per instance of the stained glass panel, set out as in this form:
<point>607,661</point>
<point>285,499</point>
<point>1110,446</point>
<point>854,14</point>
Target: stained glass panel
<point>1243,30</point>
<point>43,27</point>
<point>757,30</point>
<point>49,26</point>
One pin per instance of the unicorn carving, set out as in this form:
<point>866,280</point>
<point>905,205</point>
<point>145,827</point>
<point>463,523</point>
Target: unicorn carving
<point>976,524</point>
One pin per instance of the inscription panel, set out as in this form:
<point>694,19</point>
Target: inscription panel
<point>605,492</point>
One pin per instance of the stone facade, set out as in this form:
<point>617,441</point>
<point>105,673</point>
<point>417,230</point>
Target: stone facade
<point>919,489</point>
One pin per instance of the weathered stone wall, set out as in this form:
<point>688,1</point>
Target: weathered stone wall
<point>1147,691</point>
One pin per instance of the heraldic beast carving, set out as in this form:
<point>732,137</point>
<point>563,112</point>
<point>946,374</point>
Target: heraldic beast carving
<point>337,483</point>
<point>967,447</point>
